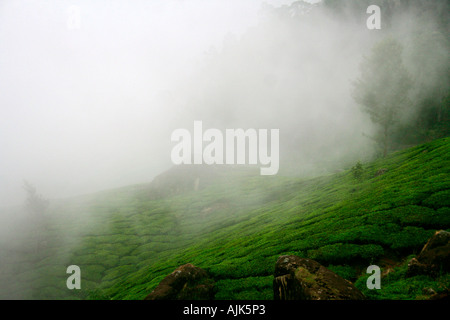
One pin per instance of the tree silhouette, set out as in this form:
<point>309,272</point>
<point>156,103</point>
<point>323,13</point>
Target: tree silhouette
<point>36,205</point>
<point>382,90</point>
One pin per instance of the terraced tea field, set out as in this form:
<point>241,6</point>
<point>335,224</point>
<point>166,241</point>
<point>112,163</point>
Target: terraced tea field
<point>127,240</point>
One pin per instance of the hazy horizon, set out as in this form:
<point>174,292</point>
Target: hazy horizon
<point>79,109</point>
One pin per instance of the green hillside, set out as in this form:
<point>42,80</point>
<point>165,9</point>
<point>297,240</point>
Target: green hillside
<point>127,240</point>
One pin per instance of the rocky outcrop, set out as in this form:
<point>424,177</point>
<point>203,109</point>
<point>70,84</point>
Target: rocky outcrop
<point>434,258</point>
<point>187,282</point>
<point>445,295</point>
<point>297,278</point>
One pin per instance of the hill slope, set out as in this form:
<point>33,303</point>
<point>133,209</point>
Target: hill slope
<point>125,241</point>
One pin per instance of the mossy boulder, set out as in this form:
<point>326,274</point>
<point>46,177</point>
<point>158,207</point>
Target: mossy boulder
<point>187,282</point>
<point>298,278</point>
<point>434,258</point>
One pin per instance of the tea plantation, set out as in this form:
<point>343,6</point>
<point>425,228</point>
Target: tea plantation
<point>126,241</point>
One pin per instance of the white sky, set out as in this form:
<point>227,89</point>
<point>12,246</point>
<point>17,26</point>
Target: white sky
<point>77,106</point>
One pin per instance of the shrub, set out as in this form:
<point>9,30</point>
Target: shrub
<point>251,288</point>
<point>357,171</point>
<point>344,271</point>
<point>346,253</point>
<point>438,200</point>
<point>410,238</point>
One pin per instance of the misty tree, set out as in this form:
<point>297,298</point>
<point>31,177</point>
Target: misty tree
<point>428,58</point>
<point>382,89</point>
<point>358,171</point>
<point>35,203</point>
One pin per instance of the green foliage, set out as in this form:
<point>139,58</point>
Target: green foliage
<point>131,245</point>
<point>357,171</point>
<point>345,271</point>
<point>127,240</point>
<point>410,238</point>
<point>251,288</point>
<point>395,285</point>
<point>438,200</point>
<point>350,253</point>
